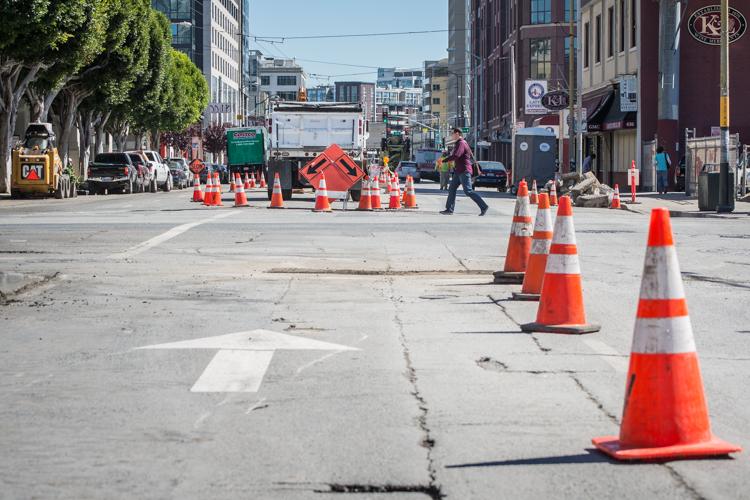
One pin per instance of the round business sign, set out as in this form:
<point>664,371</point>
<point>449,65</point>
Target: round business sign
<point>544,147</point>
<point>536,91</point>
<point>524,146</point>
<point>556,100</point>
<point>705,25</point>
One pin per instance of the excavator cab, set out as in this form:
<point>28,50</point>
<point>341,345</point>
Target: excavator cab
<point>37,168</point>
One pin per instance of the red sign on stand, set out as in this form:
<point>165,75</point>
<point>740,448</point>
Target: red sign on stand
<point>340,171</point>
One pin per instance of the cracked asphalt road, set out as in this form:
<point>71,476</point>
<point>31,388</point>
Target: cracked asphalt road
<point>445,398</point>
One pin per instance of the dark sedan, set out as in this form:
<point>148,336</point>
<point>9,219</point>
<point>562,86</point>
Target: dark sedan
<point>493,175</point>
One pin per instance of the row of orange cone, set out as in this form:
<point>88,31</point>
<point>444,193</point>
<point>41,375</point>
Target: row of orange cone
<point>665,413</point>
<point>534,195</point>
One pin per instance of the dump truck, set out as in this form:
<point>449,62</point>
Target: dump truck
<point>300,131</point>
<point>248,150</point>
<point>37,169</point>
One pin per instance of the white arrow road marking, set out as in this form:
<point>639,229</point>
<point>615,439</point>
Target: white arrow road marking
<point>244,357</point>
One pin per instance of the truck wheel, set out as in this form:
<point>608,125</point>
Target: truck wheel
<point>356,195</point>
<point>152,188</point>
<point>514,190</point>
<point>168,185</point>
<point>286,194</point>
<point>14,194</point>
<point>129,187</point>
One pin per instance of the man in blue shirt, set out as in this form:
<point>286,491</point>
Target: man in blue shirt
<point>662,168</point>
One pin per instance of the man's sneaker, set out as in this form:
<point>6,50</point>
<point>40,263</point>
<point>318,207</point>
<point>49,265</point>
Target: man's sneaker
<point>446,212</point>
<point>484,211</point>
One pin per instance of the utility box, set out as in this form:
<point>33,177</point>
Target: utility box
<point>708,191</point>
<point>535,156</point>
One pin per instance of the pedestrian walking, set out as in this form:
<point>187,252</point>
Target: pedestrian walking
<point>462,158</point>
<point>662,169</point>
<point>444,169</point>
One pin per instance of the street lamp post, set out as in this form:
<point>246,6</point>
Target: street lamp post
<point>726,190</point>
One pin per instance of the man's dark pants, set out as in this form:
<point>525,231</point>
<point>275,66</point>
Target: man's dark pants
<point>463,179</point>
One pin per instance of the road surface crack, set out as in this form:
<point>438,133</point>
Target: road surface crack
<point>490,364</point>
<point>431,491</point>
<point>8,298</point>
<point>504,310</point>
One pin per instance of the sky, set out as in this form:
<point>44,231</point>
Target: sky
<point>280,18</point>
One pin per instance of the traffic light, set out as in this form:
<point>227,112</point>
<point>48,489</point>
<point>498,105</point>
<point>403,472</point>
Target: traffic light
<point>385,115</point>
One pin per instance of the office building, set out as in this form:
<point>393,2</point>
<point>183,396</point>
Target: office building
<point>459,63</point>
<point>360,92</point>
<point>282,78</point>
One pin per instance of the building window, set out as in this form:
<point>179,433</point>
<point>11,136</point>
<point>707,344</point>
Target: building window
<point>586,45</point>
<point>567,10</point>
<point>286,80</point>
<point>435,100</point>
<point>436,87</point>
<point>265,80</point>
<point>622,25</point>
<point>610,32</point>
<point>541,11</point>
<point>540,58</point>
<point>598,40</point>
<point>633,26</point>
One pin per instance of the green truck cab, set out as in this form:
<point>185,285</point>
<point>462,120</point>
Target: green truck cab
<point>248,150</point>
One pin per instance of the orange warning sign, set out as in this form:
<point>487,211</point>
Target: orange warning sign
<point>196,166</point>
<point>341,172</point>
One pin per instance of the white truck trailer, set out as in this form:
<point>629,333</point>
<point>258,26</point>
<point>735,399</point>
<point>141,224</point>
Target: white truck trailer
<point>300,131</point>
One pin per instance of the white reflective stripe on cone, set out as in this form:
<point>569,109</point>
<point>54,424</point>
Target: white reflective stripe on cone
<point>543,220</point>
<point>540,247</point>
<point>663,335</point>
<point>521,229</point>
<point>562,264</point>
<point>565,233</point>
<point>661,274</point>
<point>524,208</point>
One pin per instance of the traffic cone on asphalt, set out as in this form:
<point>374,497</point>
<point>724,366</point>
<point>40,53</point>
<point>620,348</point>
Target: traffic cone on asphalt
<point>197,191</point>
<point>561,302</point>
<point>217,193</point>
<point>534,196</point>
<point>240,198</point>
<point>542,239</point>
<point>231,183</point>
<point>375,194</point>
<point>665,414</point>
<point>321,197</point>
<point>208,198</point>
<point>277,199</point>
<point>246,185</point>
<point>365,202</point>
<point>406,188</point>
<point>519,244</point>
<point>410,196</point>
<point>262,180</point>
<point>553,194</point>
<point>616,198</point>
<point>252,182</point>
<point>394,202</point>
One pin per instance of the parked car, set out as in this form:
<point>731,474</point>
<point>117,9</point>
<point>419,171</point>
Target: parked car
<point>160,175</point>
<point>180,172</point>
<point>494,174</point>
<point>110,171</point>
<point>406,168</point>
<point>144,174</point>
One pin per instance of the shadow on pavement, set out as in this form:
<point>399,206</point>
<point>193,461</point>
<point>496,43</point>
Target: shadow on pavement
<point>508,332</point>
<point>590,457</point>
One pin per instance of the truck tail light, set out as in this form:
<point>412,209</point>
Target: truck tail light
<point>126,170</point>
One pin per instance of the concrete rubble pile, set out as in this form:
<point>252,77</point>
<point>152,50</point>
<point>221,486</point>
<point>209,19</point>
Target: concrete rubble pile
<point>585,190</point>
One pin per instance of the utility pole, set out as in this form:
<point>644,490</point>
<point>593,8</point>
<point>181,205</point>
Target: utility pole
<point>571,85</point>
<point>726,190</point>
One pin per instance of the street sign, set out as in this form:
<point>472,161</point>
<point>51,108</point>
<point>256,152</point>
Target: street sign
<point>556,100</point>
<point>340,171</point>
<point>464,130</point>
<point>244,357</point>
<point>197,166</point>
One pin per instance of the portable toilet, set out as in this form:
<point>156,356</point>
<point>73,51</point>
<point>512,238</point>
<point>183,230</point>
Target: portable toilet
<point>535,156</point>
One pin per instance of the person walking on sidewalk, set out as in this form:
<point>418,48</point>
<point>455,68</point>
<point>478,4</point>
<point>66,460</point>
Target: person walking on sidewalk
<point>443,169</point>
<point>662,168</point>
<point>461,156</point>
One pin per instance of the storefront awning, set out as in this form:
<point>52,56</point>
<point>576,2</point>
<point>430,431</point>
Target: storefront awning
<point>597,109</point>
<point>616,119</point>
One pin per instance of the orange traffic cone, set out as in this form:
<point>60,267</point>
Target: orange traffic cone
<point>262,180</point>
<point>665,413</point>
<point>561,302</point>
<point>321,197</point>
<point>410,196</point>
<point>519,244</point>
<point>246,185</point>
<point>616,198</point>
<point>365,202</point>
<point>403,194</point>
<point>375,201</point>
<point>542,239</point>
<point>208,200</point>
<point>553,194</point>
<point>217,187</point>
<point>534,197</point>
<point>197,191</point>
<point>277,199</point>
<point>231,183</point>
<point>395,200</point>
<point>252,182</point>
<point>240,198</point>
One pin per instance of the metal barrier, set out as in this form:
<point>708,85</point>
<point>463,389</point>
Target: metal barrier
<point>702,154</point>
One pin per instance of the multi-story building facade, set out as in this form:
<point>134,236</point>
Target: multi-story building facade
<point>282,78</point>
<point>435,100</point>
<point>321,93</point>
<point>361,92</point>
<point>399,78</point>
<point>459,67</point>
<point>398,100</point>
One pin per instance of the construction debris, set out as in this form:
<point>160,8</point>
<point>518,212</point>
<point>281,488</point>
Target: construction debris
<point>584,190</point>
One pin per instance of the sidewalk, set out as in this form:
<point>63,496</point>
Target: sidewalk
<point>680,206</point>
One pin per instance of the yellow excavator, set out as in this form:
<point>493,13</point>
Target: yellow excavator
<point>37,169</point>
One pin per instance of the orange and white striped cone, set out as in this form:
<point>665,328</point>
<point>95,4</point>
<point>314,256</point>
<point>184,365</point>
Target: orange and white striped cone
<point>322,204</point>
<point>365,201</point>
<point>561,302</point>
<point>217,187</point>
<point>197,191</point>
<point>383,181</point>
<point>277,199</point>
<point>246,185</point>
<point>375,194</point>
<point>394,203</point>
<point>208,199</point>
<point>553,194</point>
<point>232,184</point>
<point>665,415</point>
<point>540,244</point>
<point>519,243</point>
<point>616,198</point>
<point>252,182</point>
<point>410,196</point>
<point>263,184</point>
<point>403,194</point>
<point>240,198</point>
<point>534,195</point>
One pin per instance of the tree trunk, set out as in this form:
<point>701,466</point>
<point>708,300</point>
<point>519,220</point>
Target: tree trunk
<point>85,123</point>
<point>69,101</point>
<point>100,132</point>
